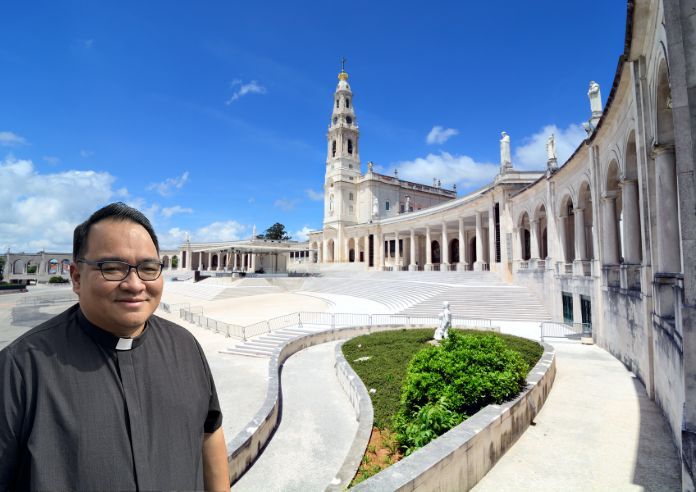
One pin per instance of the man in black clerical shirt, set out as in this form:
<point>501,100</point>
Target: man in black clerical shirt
<point>107,396</point>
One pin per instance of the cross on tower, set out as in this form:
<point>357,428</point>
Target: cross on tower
<point>343,64</point>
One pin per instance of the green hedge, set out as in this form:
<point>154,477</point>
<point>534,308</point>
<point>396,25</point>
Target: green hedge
<point>445,385</point>
<point>58,280</point>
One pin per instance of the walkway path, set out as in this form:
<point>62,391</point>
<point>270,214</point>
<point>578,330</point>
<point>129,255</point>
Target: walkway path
<point>317,428</point>
<point>597,431</point>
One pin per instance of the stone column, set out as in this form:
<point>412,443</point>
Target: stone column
<point>210,261</point>
<point>382,258</point>
<point>428,250</point>
<point>478,265</point>
<point>412,263</point>
<point>580,243</point>
<point>462,246</point>
<point>253,262</point>
<point>611,244</point>
<point>631,221</point>
<point>491,235</point>
<point>534,239</point>
<point>444,250</point>
<point>668,250</point>
<point>324,251</point>
<point>234,258</point>
<point>562,234</point>
<point>397,251</point>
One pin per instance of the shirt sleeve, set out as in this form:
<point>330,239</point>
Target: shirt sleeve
<point>214,418</point>
<point>11,414</point>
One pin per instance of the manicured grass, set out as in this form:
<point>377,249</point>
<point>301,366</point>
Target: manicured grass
<point>390,352</point>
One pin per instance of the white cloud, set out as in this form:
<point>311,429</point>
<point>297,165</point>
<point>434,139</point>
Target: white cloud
<point>302,234</point>
<point>229,230</point>
<point>52,160</point>
<point>176,209</point>
<point>450,169</point>
<point>166,187</point>
<point>532,153</point>
<point>9,139</point>
<point>40,211</point>
<point>439,135</point>
<point>86,153</point>
<point>242,89</point>
<point>285,204</point>
<point>316,196</point>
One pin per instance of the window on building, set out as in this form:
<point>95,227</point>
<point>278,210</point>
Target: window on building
<point>347,102</point>
<point>350,146</point>
<point>401,208</point>
<point>333,149</point>
<point>386,205</point>
<point>350,197</point>
<point>337,102</point>
<point>349,120</point>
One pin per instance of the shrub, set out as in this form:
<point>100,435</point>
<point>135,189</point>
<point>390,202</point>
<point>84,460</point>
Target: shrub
<point>58,280</point>
<point>444,385</point>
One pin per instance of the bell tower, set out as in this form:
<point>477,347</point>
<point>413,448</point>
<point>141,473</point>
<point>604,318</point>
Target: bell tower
<point>343,157</point>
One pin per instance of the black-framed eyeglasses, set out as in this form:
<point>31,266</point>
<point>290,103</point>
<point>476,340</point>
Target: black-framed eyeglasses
<point>116,271</point>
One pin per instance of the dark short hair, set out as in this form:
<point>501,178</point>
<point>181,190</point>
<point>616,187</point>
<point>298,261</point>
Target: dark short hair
<point>118,211</point>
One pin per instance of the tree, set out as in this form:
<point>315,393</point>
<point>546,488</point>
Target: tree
<point>276,231</point>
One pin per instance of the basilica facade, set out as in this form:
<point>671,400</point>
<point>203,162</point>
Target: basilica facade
<point>607,239</point>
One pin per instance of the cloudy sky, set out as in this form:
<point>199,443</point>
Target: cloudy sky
<point>211,117</point>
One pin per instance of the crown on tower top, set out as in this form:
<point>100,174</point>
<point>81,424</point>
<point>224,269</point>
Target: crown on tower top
<point>343,75</point>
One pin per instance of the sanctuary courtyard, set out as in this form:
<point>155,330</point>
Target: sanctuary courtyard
<point>600,248</point>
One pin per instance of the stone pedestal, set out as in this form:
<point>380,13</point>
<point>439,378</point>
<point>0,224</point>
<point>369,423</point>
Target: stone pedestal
<point>461,266</point>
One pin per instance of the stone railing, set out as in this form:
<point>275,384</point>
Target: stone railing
<point>246,446</point>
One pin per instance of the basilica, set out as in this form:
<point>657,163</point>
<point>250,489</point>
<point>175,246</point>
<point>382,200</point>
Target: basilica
<point>606,239</point>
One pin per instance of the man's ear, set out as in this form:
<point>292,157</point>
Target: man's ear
<point>75,277</point>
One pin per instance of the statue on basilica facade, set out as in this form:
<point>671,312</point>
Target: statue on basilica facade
<point>375,207</point>
<point>551,148</point>
<point>505,156</point>
<point>595,98</point>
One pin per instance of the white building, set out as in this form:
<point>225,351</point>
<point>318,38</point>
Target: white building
<point>608,239</point>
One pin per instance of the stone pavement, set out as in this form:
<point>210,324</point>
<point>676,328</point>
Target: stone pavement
<point>597,431</point>
<point>316,430</point>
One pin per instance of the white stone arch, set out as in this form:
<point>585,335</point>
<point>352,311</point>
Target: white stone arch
<point>585,247</point>
<point>567,191</point>
<point>542,227</point>
<point>632,195</point>
<point>613,156</point>
<point>662,172</point>
<point>165,261</point>
<point>566,224</point>
<point>19,267</point>
<point>524,230</point>
<point>612,205</point>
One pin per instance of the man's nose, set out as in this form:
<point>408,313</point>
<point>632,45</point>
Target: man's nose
<point>132,281</point>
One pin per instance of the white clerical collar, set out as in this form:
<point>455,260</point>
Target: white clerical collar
<point>124,344</point>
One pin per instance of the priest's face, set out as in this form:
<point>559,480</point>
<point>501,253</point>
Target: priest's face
<point>120,307</point>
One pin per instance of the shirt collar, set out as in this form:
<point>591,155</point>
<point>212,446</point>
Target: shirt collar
<point>109,340</point>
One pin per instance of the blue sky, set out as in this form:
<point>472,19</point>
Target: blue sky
<point>212,116</point>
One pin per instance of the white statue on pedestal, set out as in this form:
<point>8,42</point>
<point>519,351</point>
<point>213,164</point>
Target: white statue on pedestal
<point>505,157</point>
<point>595,98</point>
<point>375,207</point>
<point>408,204</point>
<point>445,317</point>
<point>551,148</point>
